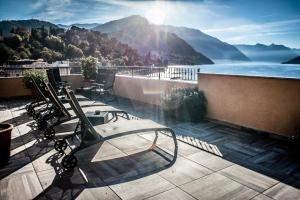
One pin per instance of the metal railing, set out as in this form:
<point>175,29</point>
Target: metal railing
<point>175,73</point>
<point>19,71</point>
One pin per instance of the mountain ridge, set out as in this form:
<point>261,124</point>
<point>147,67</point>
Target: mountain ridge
<point>268,53</point>
<point>7,25</point>
<point>148,38</point>
<point>295,60</point>
<point>211,47</point>
<point>80,25</point>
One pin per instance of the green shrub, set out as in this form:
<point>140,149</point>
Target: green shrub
<point>36,74</point>
<point>89,67</point>
<point>187,104</point>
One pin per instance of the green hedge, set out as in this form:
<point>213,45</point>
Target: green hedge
<point>187,104</point>
<point>36,74</point>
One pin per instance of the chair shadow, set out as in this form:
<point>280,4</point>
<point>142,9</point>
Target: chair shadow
<point>21,119</point>
<point>101,173</point>
<point>36,145</point>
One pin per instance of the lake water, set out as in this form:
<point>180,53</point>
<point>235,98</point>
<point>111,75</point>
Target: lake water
<point>251,69</point>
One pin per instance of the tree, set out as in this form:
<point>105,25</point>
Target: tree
<point>6,53</point>
<point>55,42</point>
<point>14,41</point>
<point>73,52</point>
<point>89,67</point>
<point>46,54</point>
<point>148,60</point>
<point>56,56</point>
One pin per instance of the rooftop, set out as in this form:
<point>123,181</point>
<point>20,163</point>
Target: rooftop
<point>214,161</point>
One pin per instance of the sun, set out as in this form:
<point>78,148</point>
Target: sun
<point>157,13</point>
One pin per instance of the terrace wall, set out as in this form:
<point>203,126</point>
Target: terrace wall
<point>146,90</point>
<point>13,87</point>
<point>266,104</point>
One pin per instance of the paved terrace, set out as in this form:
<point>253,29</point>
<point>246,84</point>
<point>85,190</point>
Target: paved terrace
<point>240,165</point>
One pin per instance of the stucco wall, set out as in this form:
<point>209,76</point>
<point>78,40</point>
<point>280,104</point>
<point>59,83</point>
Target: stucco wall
<point>267,104</point>
<point>13,87</point>
<point>75,80</point>
<point>145,89</point>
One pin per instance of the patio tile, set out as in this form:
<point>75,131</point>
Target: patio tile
<point>150,160</point>
<point>13,166</point>
<point>288,189</point>
<point>21,169</point>
<point>184,171</point>
<point>216,186</point>
<point>141,188</point>
<point>133,171</point>
<point>65,185</point>
<point>130,143</point>
<point>38,148</point>
<point>46,161</point>
<point>97,152</point>
<point>115,168</point>
<point>95,188</point>
<point>15,133</point>
<point>46,177</point>
<point>167,143</point>
<point>251,179</point>
<point>104,193</point>
<point>174,194</point>
<point>262,197</point>
<point>6,116</point>
<point>210,161</point>
<point>23,185</point>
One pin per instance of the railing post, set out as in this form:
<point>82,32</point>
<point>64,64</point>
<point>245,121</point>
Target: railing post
<point>198,71</point>
<point>158,73</point>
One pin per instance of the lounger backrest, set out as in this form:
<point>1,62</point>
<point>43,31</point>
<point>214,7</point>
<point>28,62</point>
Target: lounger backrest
<point>56,75</point>
<point>79,112</point>
<point>56,100</point>
<point>38,89</point>
<point>51,78</point>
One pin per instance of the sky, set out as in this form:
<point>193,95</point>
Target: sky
<point>232,21</point>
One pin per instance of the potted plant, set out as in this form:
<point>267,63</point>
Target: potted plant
<point>5,140</point>
<point>187,104</point>
<point>36,74</point>
<point>89,69</point>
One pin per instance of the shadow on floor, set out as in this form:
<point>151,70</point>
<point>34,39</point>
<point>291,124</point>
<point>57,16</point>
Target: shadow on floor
<point>99,174</point>
<point>258,151</point>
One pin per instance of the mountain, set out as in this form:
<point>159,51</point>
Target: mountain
<point>140,34</point>
<point>293,61</point>
<point>211,47</point>
<point>7,25</point>
<point>86,26</point>
<point>74,43</point>
<point>120,24</point>
<point>201,42</point>
<point>147,38</point>
<point>268,53</point>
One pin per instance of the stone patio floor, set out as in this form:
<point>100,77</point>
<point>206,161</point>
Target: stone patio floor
<point>214,162</point>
